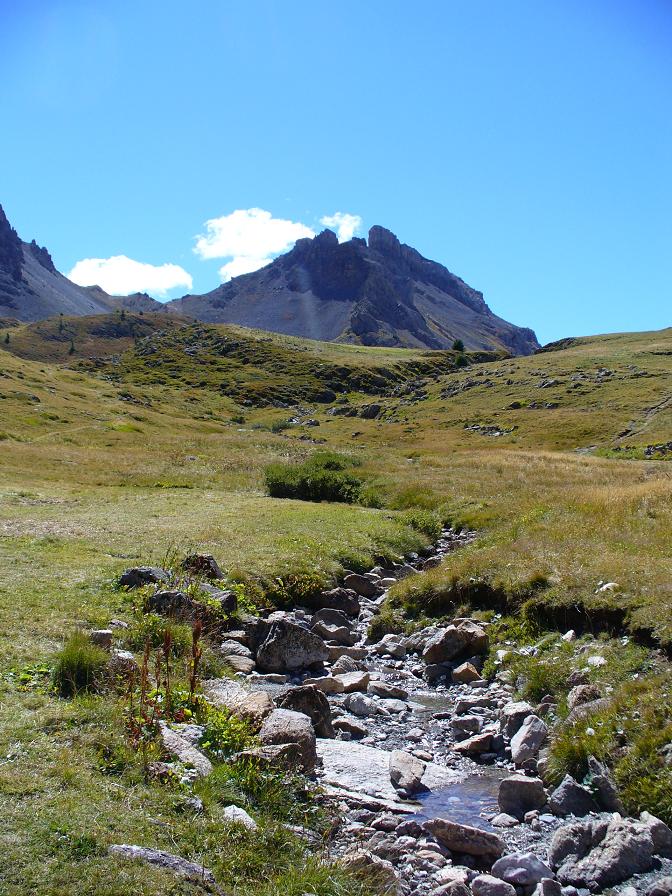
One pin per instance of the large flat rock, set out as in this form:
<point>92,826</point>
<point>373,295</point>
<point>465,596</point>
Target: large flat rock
<point>365,770</point>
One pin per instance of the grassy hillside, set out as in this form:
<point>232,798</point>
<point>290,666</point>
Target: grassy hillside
<point>141,454</point>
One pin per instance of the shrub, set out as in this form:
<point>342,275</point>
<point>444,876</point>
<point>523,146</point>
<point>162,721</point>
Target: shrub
<point>308,482</point>
<point>153,628</point>
<point>458,345</point>
<point>424,521</point>
<point>80,666</point>
<point>224,734</point>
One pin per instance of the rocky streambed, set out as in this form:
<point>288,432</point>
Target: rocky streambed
<point>436,772</point>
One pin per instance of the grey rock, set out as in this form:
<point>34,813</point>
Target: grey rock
<point>391,645</point>
<point>236,815</point>
<point>465,638</point>
<point>477,743</point>
<point>464,838</point>
<point>487,885</point>
<point>251,706</point>
<point>243,664</point>
<point>311,702</point>
<point>354,681</point>
<point>528,740</point>
<point>333,617</point>
<point>522,869</point>
<point>339,634</point>
<point>464,726</point>
<point>325,683</point>
<point>138,576</point>
<point>180,867</point>
<point>660,887</point>
<point>202,565</point>
<point>182,749</point>
<point>602,785</point>
<point>660,833</point>
<point>284,726</point>
<point>581,694</point>
<point>234,648</point>
<point>360,585</point>
<point>406,771</point>
<point>571,798</point>
<point>361,706</point>
<point>289,647</point>
<point>512,717</point>
<point>519,794</point>
<point>351,727</point>
<point>548,887</point>
<point>466,673</point>
<point>388,691</point>
<point>374,870</point>
<point>102,637</point>
<point>344,599</point>
<point>597,854</point>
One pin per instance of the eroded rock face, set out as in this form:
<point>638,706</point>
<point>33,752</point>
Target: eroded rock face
<point>598,854</point>
<point>284,726</point>
<point>288,647</point>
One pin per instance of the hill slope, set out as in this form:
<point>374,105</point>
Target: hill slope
<point>383,293</point>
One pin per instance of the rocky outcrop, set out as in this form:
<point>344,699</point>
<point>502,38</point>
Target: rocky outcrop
<point>383,293</point>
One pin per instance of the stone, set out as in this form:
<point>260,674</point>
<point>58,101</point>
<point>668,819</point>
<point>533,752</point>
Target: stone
<point>391,645</point>
<point>361,706</point>
<point>346,664</point>
<point>225,597</point>
<point>602,786</point>
<point>582,693</point>
<point>660,834</point>
<point>339,634</point>
<point>353,681</point>
<point>251,706</point>
<point>325,683</point>
<point>477,743</point>
<point>182,749</point>
<point>454,888</point>
<point>660,887</point>
<point>349,726</point>
<point>331,616</point>
<point>284,726</point>
<point>191,871</point>
<point>175,604</point>
<point>521,869</point>
<point>548,887</point>
<point>512,717</point>
<point>234,648</point>
<point>388,691</point>
<point>466,673</point>
<point>598,854</point>
<point>344,599</point>
<point>102,637</point>
<point>138,576</point>
<point>571,798</point>
<point>464,838</point>
<point>202,565</point>
<point>487,885</point>
<point>465,638</point>
<point>236,815</point>
<point>242,664</point>
<point>288,647</point>
<point>360,585</point>
<point>528,740</point>
<point>375,871</point>
<point>503,820</point>
<point>464,726</point>
<point>312,703</point>
<point>406,771</point>
<point>122,667</point>
<point>519,794</point>
<point>274,756</point>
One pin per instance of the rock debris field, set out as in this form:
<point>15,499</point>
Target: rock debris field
<point>436,772</point>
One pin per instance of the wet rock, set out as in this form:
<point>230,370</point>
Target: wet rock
<point>512,717</point>
<point>284,726</point>
<point>360,585</point>
<point>519,794</point>
<point>202,565</point>
<point>138,576</point>
<point>312,703</point>
<point>236,815</point>
<point>289,647</point>
<point>597,854</point>
<point>571,798</point>
<point>406,771</point>
<point>465,638</point>
<point>462,838</point>
<point>521,869</point>
<point>528,740</point>
<point>178,866</point>
<point>251,706</point>
<point>487,885</point>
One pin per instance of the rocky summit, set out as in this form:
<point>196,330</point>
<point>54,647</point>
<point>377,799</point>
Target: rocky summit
<point>380,292</point>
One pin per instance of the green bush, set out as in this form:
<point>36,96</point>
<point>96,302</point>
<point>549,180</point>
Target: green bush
<point>79,667</point>
<point>425,521</point>
<point>308,482</point>
<point>153,628</point>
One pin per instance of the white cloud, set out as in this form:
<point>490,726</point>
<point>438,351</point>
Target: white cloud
<point>120,275</point>
<point>346,225</point>
<point>251,238</point>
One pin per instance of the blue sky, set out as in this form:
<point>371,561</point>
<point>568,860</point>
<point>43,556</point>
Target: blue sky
<point>526,145</point>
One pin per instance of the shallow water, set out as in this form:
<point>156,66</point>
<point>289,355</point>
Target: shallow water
<point>466,801</point>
